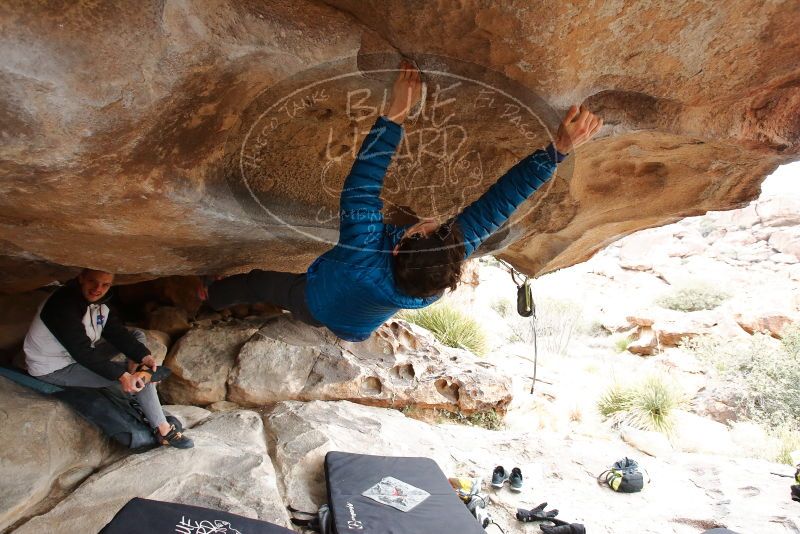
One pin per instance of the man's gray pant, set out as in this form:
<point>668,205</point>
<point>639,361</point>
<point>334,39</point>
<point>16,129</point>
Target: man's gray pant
<point>76,375</point>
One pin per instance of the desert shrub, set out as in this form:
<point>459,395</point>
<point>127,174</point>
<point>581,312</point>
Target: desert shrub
<point>767,373</point>
<point>621,344</point>
<point>488,419</point>
<point>654,401</point>
<point>771,443</point>
<point>593,329</point>
<point>503,306</point>
<point>592,368</point>
<point>695,298</point>
<point>616,399</point>
<point>791,341</point>
<point>575,414</point>
<point>706,227</point>
<point>489,261</point>
<point>647,405</point>
<point>450,326</point>
<point>556,323</point>
<point>788,437</point>
<point>520,329</point>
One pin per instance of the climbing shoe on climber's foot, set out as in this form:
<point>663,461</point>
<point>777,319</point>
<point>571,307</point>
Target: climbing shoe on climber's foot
<point>175,438</point>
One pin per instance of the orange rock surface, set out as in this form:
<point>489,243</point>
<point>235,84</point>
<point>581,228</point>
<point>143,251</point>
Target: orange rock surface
<point>166,138</point>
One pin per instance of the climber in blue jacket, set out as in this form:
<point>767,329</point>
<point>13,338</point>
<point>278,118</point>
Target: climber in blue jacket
<point>377,269</point>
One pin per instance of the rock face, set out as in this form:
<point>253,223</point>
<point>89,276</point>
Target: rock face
<point>228,469</point>
<point>201,360</point>
<point>773,323</point>
<point>169,319</point>
<point>648,441</point>
<point>203,166</point>
<point>45,451</point>
<point>700,435</point>
<point>288,360</point>
<point>655,329</point>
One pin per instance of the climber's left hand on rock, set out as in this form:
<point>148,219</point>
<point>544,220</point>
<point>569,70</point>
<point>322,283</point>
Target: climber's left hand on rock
<point>406,92</point>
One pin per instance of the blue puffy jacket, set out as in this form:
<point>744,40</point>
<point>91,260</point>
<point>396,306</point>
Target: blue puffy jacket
<point>350,289</point>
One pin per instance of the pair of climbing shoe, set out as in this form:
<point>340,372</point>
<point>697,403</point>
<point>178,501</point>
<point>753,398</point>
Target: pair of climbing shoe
<point>500,476</point>
<point>540,514</point>
<point>147,374</point>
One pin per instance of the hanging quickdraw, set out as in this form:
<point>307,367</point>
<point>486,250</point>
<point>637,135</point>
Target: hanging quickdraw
<point>525,304</point>
<point>526,307</point>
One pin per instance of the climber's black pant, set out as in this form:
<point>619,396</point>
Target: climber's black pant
<point>285,290</point>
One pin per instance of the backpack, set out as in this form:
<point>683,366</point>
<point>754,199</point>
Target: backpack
<point>624,476</point>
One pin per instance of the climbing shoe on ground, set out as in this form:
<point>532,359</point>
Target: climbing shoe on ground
<point>515,480</point>
<point>499,476</point>
<point>175,438</point>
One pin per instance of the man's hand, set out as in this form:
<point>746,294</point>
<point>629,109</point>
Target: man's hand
<point>578,126</point>
<point>406,92</point>
<point>131,383</point>
<point>150,362</point>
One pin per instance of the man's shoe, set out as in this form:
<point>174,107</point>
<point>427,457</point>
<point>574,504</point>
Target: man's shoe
<point>499,476</point>
<point>515,480</point>
<point>175,438</point>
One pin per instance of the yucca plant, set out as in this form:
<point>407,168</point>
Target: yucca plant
<point>450,326</point>
<point>653,404</point>
<point>647,405</point>
<point>622,344</point>
<point>617,398</point>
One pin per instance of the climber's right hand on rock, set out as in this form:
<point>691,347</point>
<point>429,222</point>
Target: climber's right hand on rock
<point>579,125</point>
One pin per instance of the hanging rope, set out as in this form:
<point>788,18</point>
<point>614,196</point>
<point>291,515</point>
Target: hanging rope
<point>535,349</point>
<point>526,307</point>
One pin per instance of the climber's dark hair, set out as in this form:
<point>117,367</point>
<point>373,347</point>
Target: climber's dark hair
<point>426,266</point>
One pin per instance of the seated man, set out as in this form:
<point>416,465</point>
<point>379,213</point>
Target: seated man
<point>74,337</point>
